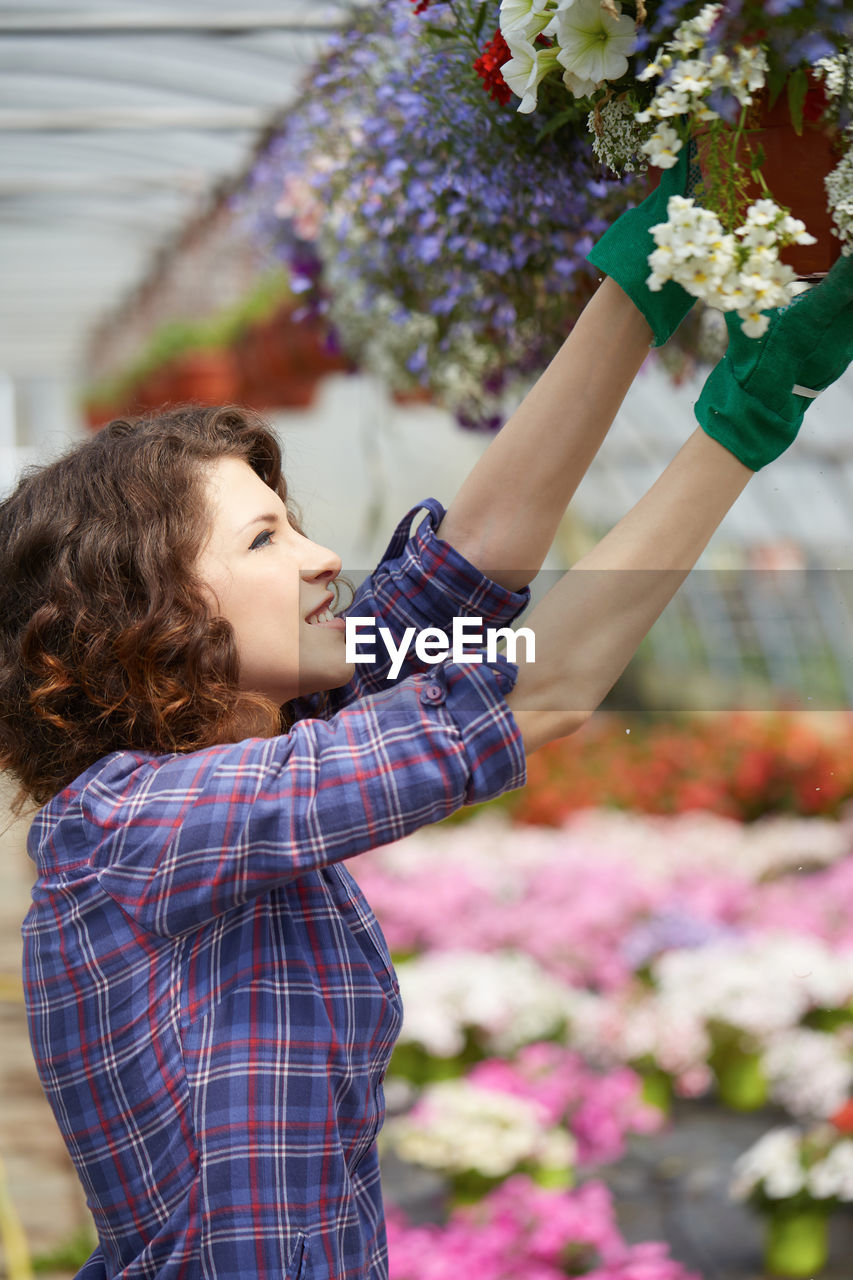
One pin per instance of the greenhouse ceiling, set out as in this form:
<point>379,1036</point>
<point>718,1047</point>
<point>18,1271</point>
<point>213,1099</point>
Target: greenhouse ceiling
<point>117,122</point>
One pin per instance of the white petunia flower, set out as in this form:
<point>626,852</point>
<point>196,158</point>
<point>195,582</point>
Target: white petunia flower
<point>594,46</point>
<point>524,19</point>
<point>580,88</point>
<point>526,70</point>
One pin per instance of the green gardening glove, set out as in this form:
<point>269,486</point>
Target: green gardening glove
<point>754,400</point>
<point>623,251</point>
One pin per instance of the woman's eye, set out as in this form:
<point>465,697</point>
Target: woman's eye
<point>259,541</point>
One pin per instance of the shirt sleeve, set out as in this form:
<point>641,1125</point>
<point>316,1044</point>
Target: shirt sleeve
<point>181,839</point>
<point>421,581</point>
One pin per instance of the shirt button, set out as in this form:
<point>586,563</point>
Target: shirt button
<point>432,694</point>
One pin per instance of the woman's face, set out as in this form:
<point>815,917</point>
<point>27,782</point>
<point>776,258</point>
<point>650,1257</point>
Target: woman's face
<point>272,584</point>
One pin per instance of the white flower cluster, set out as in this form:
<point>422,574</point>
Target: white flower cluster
<point>617,139</point>
<point>839,196</point>
<point>761,984</point>
<point>592,40</point>
<point>838,82</point>
<point>505,998</point>
<point>809,1072</point>
<point>833,1176</point>
<point>458,1126</point>
<point>644,1026</point>
<point>730,271</point>
<point>688,75</point>
<point>836,77</point>
<point>775,1165</point>
<point>738,272</point>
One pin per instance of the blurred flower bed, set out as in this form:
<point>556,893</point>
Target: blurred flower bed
<point>742,765</point>
<point>561,983</point>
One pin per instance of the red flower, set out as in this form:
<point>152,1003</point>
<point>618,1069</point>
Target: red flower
<point>488,66</point>
<point>843,1118</point>
<point>421,5</point>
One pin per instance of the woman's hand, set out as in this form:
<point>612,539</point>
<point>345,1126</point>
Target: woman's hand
<point>754,400</point>
<point>623,251</point>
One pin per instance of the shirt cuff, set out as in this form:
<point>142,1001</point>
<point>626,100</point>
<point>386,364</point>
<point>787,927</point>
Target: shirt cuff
<point>474,695</point>
<point>440,576</point>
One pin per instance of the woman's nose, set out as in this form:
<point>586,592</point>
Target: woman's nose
<point>320,562</point>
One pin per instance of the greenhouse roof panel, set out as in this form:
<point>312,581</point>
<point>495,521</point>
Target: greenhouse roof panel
<point>118,121</point>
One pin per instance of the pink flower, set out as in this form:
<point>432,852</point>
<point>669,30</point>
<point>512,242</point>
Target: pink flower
<point>521,1229</point>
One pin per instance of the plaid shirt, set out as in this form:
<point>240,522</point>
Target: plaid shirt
<point>211,1003</point>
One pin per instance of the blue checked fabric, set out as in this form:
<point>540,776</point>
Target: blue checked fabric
<point>211,1003</point>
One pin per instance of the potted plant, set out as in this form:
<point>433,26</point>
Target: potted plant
<point>762,90</point>
<point>794,1178</point>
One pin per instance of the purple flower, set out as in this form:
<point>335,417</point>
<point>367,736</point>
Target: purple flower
<point>425,191</point>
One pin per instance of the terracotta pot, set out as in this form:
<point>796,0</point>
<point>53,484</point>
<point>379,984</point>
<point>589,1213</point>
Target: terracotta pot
<point>98,415</point>
<point>281,361</point>
<point>794,169</point>
<point>208,377</point>
<point>157,389</point>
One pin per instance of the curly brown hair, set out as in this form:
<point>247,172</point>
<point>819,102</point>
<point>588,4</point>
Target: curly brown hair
<point>107,639</point>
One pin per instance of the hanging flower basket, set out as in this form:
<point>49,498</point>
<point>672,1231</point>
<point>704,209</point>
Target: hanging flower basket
<point>658,75</point>
<point>207,377</point>
<point>796,1241</point>
<point>281,360</point>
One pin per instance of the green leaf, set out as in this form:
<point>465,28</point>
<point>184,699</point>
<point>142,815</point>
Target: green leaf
<point>798,87</point>
<point>481,18</point>
<point>442,32</point>
<point>777,78</point>
<point>556,122</point>
<point>757,159</point>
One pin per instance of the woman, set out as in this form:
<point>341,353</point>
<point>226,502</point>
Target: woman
<point>211,1003</point>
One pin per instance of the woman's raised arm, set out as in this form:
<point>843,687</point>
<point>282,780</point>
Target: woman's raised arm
<point>751,408</point>
<point>507,511</point>
<point>590,623</point>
